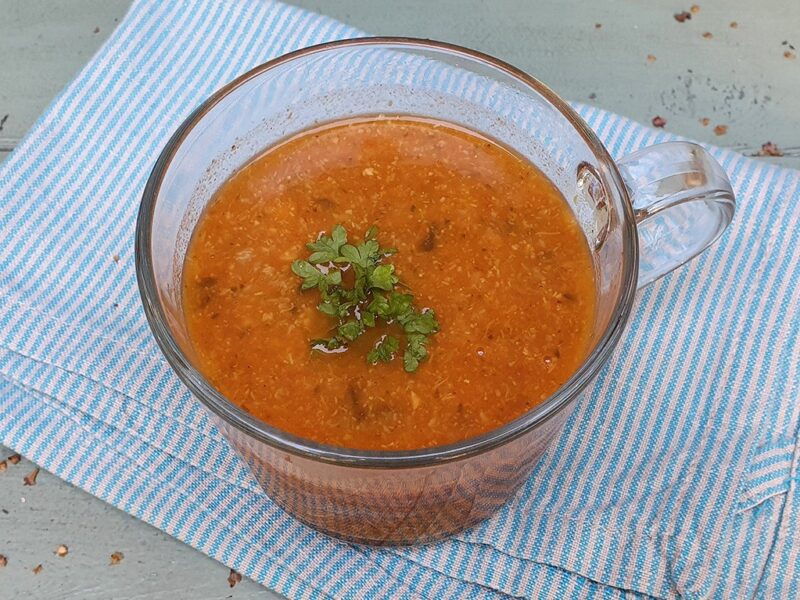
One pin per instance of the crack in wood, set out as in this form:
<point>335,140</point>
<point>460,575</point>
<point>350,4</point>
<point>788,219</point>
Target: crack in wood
<point>8,144</point>
<point>747,150</point>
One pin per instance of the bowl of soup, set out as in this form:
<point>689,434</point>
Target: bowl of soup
<point>389,267</point>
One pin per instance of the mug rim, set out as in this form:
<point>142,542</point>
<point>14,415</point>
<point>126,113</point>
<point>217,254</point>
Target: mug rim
<point>303,447</point>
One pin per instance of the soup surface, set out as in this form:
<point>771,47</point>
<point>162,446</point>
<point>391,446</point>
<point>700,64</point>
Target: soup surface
<point>483,238</point>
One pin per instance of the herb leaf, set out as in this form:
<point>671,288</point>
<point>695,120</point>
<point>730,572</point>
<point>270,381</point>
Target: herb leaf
<point>349,254</point>
<point>329,308</point>
<point>311,276</point>
<point>372,233</point>
<point>368,319</point>
<point>384,350</point>
<point>334,278</point>
<point>326,249</point>
<point>379,306</point>
<point>382,277</point>
<point>350,330</point>
<point>371,298</point>
<point>363,255</point>
<point>415,351</point>
<point>424,323</point>
<point>326,343</point>
<point>400,305</point>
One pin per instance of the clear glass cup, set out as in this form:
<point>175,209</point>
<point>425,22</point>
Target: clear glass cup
<point>642,217</point>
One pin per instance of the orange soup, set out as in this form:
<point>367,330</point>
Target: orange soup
<point>484,241</point>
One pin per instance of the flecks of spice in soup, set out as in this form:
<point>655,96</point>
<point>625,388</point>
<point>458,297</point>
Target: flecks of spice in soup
<point>483,237</point>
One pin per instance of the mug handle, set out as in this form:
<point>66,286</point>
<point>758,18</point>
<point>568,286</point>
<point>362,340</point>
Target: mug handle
<point>682,201</point>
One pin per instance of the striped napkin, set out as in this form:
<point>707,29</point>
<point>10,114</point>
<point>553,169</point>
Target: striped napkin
<point>677,475</point>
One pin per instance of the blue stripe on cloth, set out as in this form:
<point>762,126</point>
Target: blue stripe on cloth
<point>675,476</point>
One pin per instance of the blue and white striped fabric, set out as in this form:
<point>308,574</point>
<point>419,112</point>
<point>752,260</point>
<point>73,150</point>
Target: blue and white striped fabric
<point>677,475</point>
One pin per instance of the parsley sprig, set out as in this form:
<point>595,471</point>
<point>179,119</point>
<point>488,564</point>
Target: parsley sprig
<point>372,300</point>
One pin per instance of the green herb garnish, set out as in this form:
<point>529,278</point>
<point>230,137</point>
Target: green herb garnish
<point>370,301</point>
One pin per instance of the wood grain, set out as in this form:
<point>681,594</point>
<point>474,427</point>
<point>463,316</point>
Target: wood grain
<point>739,77</point>
<point>36,520</point>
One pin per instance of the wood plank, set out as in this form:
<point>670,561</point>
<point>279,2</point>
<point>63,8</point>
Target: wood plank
<point>739,77</point>
<point>36,520</point>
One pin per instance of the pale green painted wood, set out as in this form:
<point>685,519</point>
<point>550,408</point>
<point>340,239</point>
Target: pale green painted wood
<point>34,521</point>
<point>738,78</point>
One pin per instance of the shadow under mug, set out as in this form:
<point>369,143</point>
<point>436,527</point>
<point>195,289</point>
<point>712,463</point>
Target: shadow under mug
<point>642,216</point>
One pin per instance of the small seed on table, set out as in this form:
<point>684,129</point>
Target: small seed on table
<point>30,478</point>
<point>234,578</point>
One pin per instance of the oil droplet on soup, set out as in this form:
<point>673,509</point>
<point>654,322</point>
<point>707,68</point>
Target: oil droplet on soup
<point>483,238</point>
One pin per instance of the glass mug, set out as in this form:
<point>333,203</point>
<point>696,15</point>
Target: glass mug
<point>642,217</point>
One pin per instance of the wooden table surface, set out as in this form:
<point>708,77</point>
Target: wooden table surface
<point>627,56</point>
